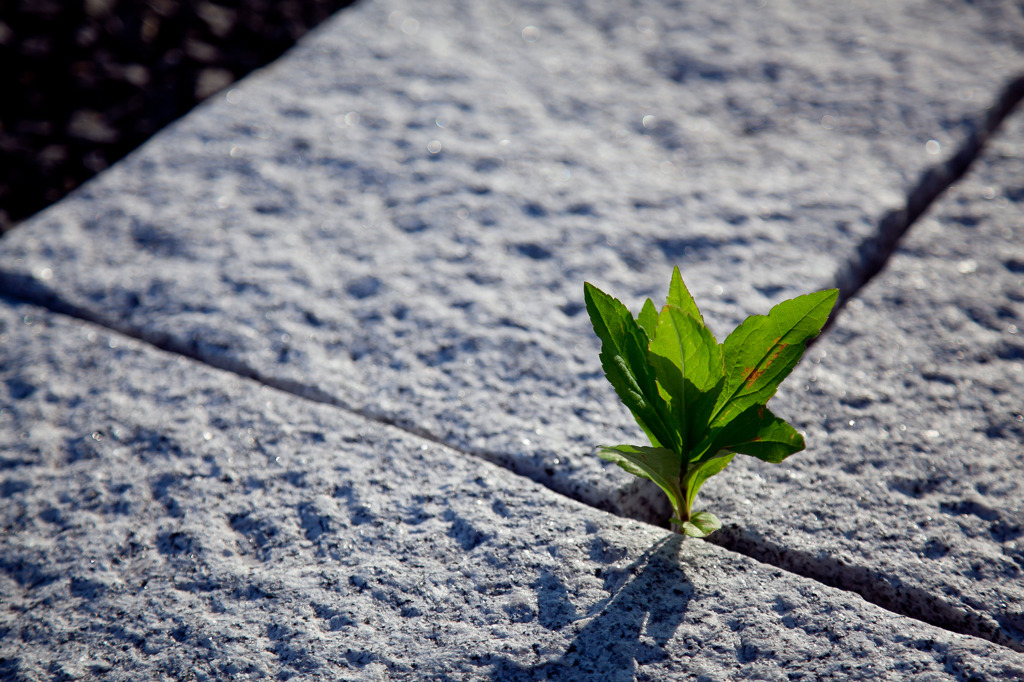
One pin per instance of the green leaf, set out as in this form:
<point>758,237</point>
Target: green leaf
<point>679,296</point>
<point>624,359</point>
<point>689,346</point>
<point>763,350</point>
<point>648,318</point>
<point>756,432</point>
<point>701,525</point>
<point>702,471</point>
<point>656,464</point>
<point>687,362</point>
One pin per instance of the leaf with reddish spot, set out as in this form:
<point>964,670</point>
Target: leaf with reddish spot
<point>755,432</point>
<point>763,350</point>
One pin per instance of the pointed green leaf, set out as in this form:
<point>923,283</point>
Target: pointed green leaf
<point>679,296</point>
<point>687,362</point>
<point>759,433</point>
<point>763,350</point>
<point>624,359</point>
<point>648,318</point>
<point>689,346</point>
<point>656,464</point>
<point>701,525</point>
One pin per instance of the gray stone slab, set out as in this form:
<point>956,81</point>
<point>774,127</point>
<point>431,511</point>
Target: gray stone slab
<point>914,405</point>
<point>307,230</point>
<point>163,520</point>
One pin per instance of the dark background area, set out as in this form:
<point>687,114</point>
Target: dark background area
<point>84,82</point>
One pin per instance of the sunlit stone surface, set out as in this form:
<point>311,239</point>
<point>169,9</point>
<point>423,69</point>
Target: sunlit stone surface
<point>303,230</point>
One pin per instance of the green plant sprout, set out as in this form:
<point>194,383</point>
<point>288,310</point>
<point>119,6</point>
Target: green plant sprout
<point>699,401</point>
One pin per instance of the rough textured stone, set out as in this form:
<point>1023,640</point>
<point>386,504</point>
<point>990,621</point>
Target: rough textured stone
<point>164,520</point>
<point>398,218</point>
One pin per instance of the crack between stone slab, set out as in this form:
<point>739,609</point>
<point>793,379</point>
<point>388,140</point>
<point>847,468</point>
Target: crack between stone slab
<point>27,289</point>
<point>871,255</point>
<point>875,586</point>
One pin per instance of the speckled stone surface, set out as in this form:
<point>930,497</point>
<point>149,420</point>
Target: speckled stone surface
<point>163,520</point>
<point>398,217</point>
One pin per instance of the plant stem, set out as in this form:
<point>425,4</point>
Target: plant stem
<point>684,477</point>
<point>683,512</point>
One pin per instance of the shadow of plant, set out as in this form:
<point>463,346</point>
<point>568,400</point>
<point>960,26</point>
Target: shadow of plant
<point>630,629</point>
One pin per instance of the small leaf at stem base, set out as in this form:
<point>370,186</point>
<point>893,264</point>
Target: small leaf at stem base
<point>701,525</point>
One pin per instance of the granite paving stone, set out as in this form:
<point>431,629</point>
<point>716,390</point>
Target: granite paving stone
<point>397,218</point>
<point>165,520</point>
